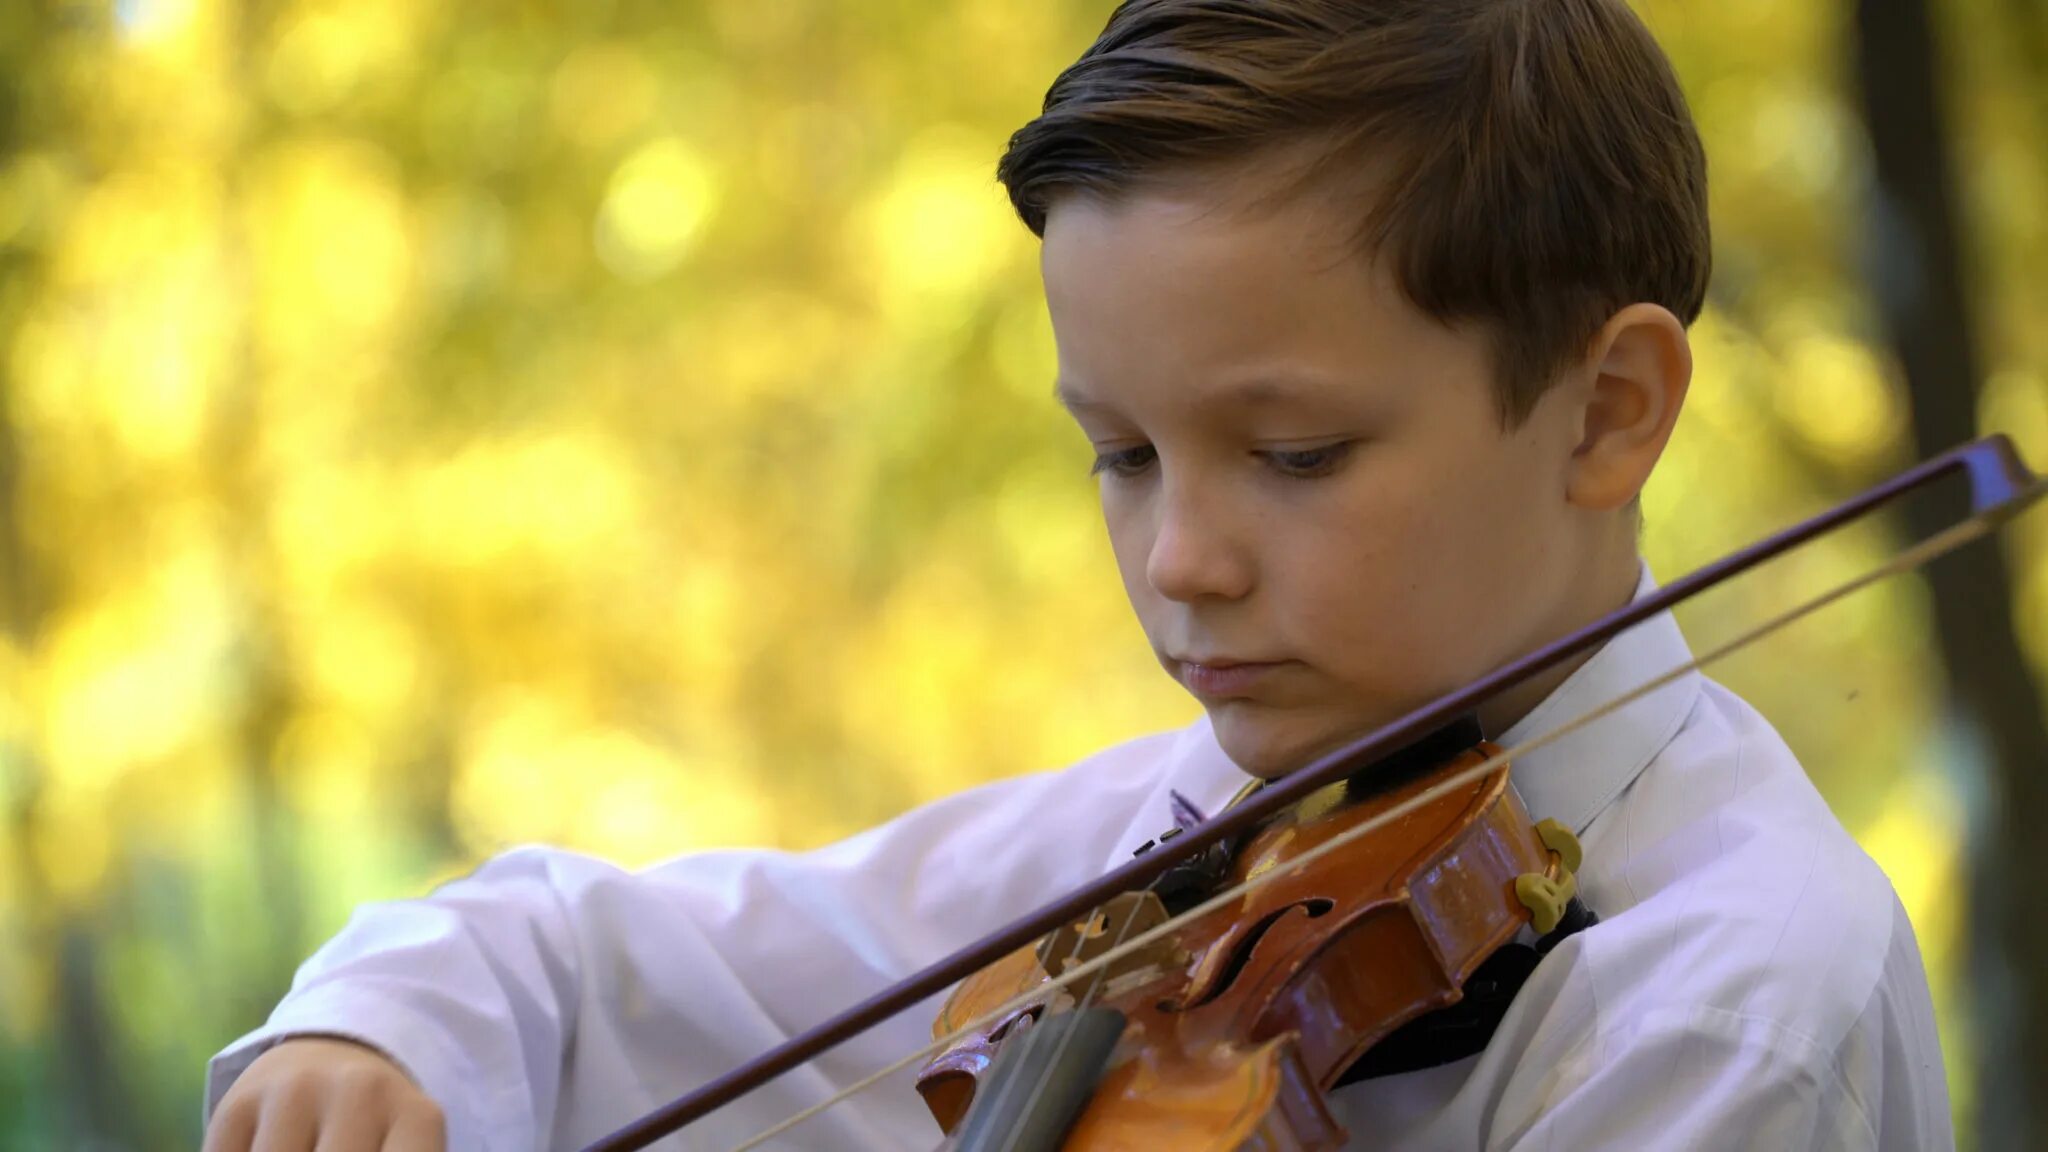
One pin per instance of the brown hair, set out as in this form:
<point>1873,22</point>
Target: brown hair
<point>1528,164</point>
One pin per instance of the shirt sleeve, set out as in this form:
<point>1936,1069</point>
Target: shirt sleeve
<point>472,990</point>
<point>549,998</point>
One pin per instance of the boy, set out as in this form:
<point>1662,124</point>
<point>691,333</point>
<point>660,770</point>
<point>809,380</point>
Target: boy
<point>1375,314</point>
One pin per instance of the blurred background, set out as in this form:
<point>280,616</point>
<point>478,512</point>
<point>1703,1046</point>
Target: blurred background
<point>430,427</point>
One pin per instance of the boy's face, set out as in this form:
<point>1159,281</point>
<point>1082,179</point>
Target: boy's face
<point>1302,474</point>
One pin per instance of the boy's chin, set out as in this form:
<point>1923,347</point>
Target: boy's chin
<point>1270,743</point>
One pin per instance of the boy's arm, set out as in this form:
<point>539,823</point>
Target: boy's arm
<point>472,991</point>
<point>549,997</point>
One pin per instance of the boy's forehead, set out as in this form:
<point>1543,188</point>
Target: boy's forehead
<point>1148,272</point>
<point>1242,313</point>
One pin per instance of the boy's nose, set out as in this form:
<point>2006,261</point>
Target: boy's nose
<point>1192,555</point>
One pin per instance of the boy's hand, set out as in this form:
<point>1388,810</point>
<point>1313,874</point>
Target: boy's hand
<point>330,1094</point>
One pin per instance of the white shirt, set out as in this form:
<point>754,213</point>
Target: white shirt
<point>1753,982</point>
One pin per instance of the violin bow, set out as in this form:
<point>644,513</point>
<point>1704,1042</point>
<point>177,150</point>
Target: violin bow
<point>2000,487</point>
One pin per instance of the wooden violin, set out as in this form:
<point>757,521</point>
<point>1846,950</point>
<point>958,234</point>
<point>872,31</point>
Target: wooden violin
<point>1354,894</point>
<point>1227,1030</point>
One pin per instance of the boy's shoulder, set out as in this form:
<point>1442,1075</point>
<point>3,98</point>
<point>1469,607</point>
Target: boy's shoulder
<point>1752,982</point>
<point>1732,898</point>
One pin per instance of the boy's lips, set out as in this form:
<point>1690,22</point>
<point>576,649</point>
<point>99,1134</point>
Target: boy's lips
<point>1222,676</point>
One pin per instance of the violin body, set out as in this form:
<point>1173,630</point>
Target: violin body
<point>1238,1022</point>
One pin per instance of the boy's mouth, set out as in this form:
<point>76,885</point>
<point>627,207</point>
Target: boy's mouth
<point>1222,677</point>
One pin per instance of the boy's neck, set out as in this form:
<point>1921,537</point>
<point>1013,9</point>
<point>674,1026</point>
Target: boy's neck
<point>1609,586</point>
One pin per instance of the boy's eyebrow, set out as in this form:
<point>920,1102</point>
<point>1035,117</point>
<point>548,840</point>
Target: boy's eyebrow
<point>1252,392</point>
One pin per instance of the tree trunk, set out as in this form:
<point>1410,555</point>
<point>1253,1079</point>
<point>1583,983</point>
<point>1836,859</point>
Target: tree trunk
<point>1917,276</point>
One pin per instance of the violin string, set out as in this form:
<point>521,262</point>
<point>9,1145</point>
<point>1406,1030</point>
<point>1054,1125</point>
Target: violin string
<point>1075,969</point>
<point>1063,1042</point>
<point>1066,1040</point>
<point>1914,556</point>
<point>1008,1087</point>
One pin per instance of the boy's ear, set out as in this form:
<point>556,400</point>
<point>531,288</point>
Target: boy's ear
<point>1639,365</point>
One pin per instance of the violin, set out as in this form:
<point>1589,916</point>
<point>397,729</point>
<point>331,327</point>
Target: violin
<point>1235,1022</point>
<point>1210,992</point>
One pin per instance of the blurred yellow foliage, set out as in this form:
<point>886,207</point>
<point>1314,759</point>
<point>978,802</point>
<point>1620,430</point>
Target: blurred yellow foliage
<point>429,428</point>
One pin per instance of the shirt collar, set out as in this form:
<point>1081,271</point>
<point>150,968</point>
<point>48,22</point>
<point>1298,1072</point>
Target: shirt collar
<point>1570,779</point>
<point>1580,773</point>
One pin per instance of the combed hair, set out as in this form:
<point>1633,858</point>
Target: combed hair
<point>1530,165</point>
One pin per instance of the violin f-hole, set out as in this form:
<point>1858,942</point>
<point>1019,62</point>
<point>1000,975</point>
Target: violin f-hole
<point>1241,952</point>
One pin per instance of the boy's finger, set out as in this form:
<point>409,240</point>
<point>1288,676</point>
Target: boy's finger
<point>286,1125</point>
<point>361,1128</point>
<point>233,1129</point>
<point>417,1130</point>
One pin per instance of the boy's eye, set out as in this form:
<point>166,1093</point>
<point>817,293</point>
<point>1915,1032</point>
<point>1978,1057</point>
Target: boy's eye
<point>1307,463</point>
<point>1126,462</point>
